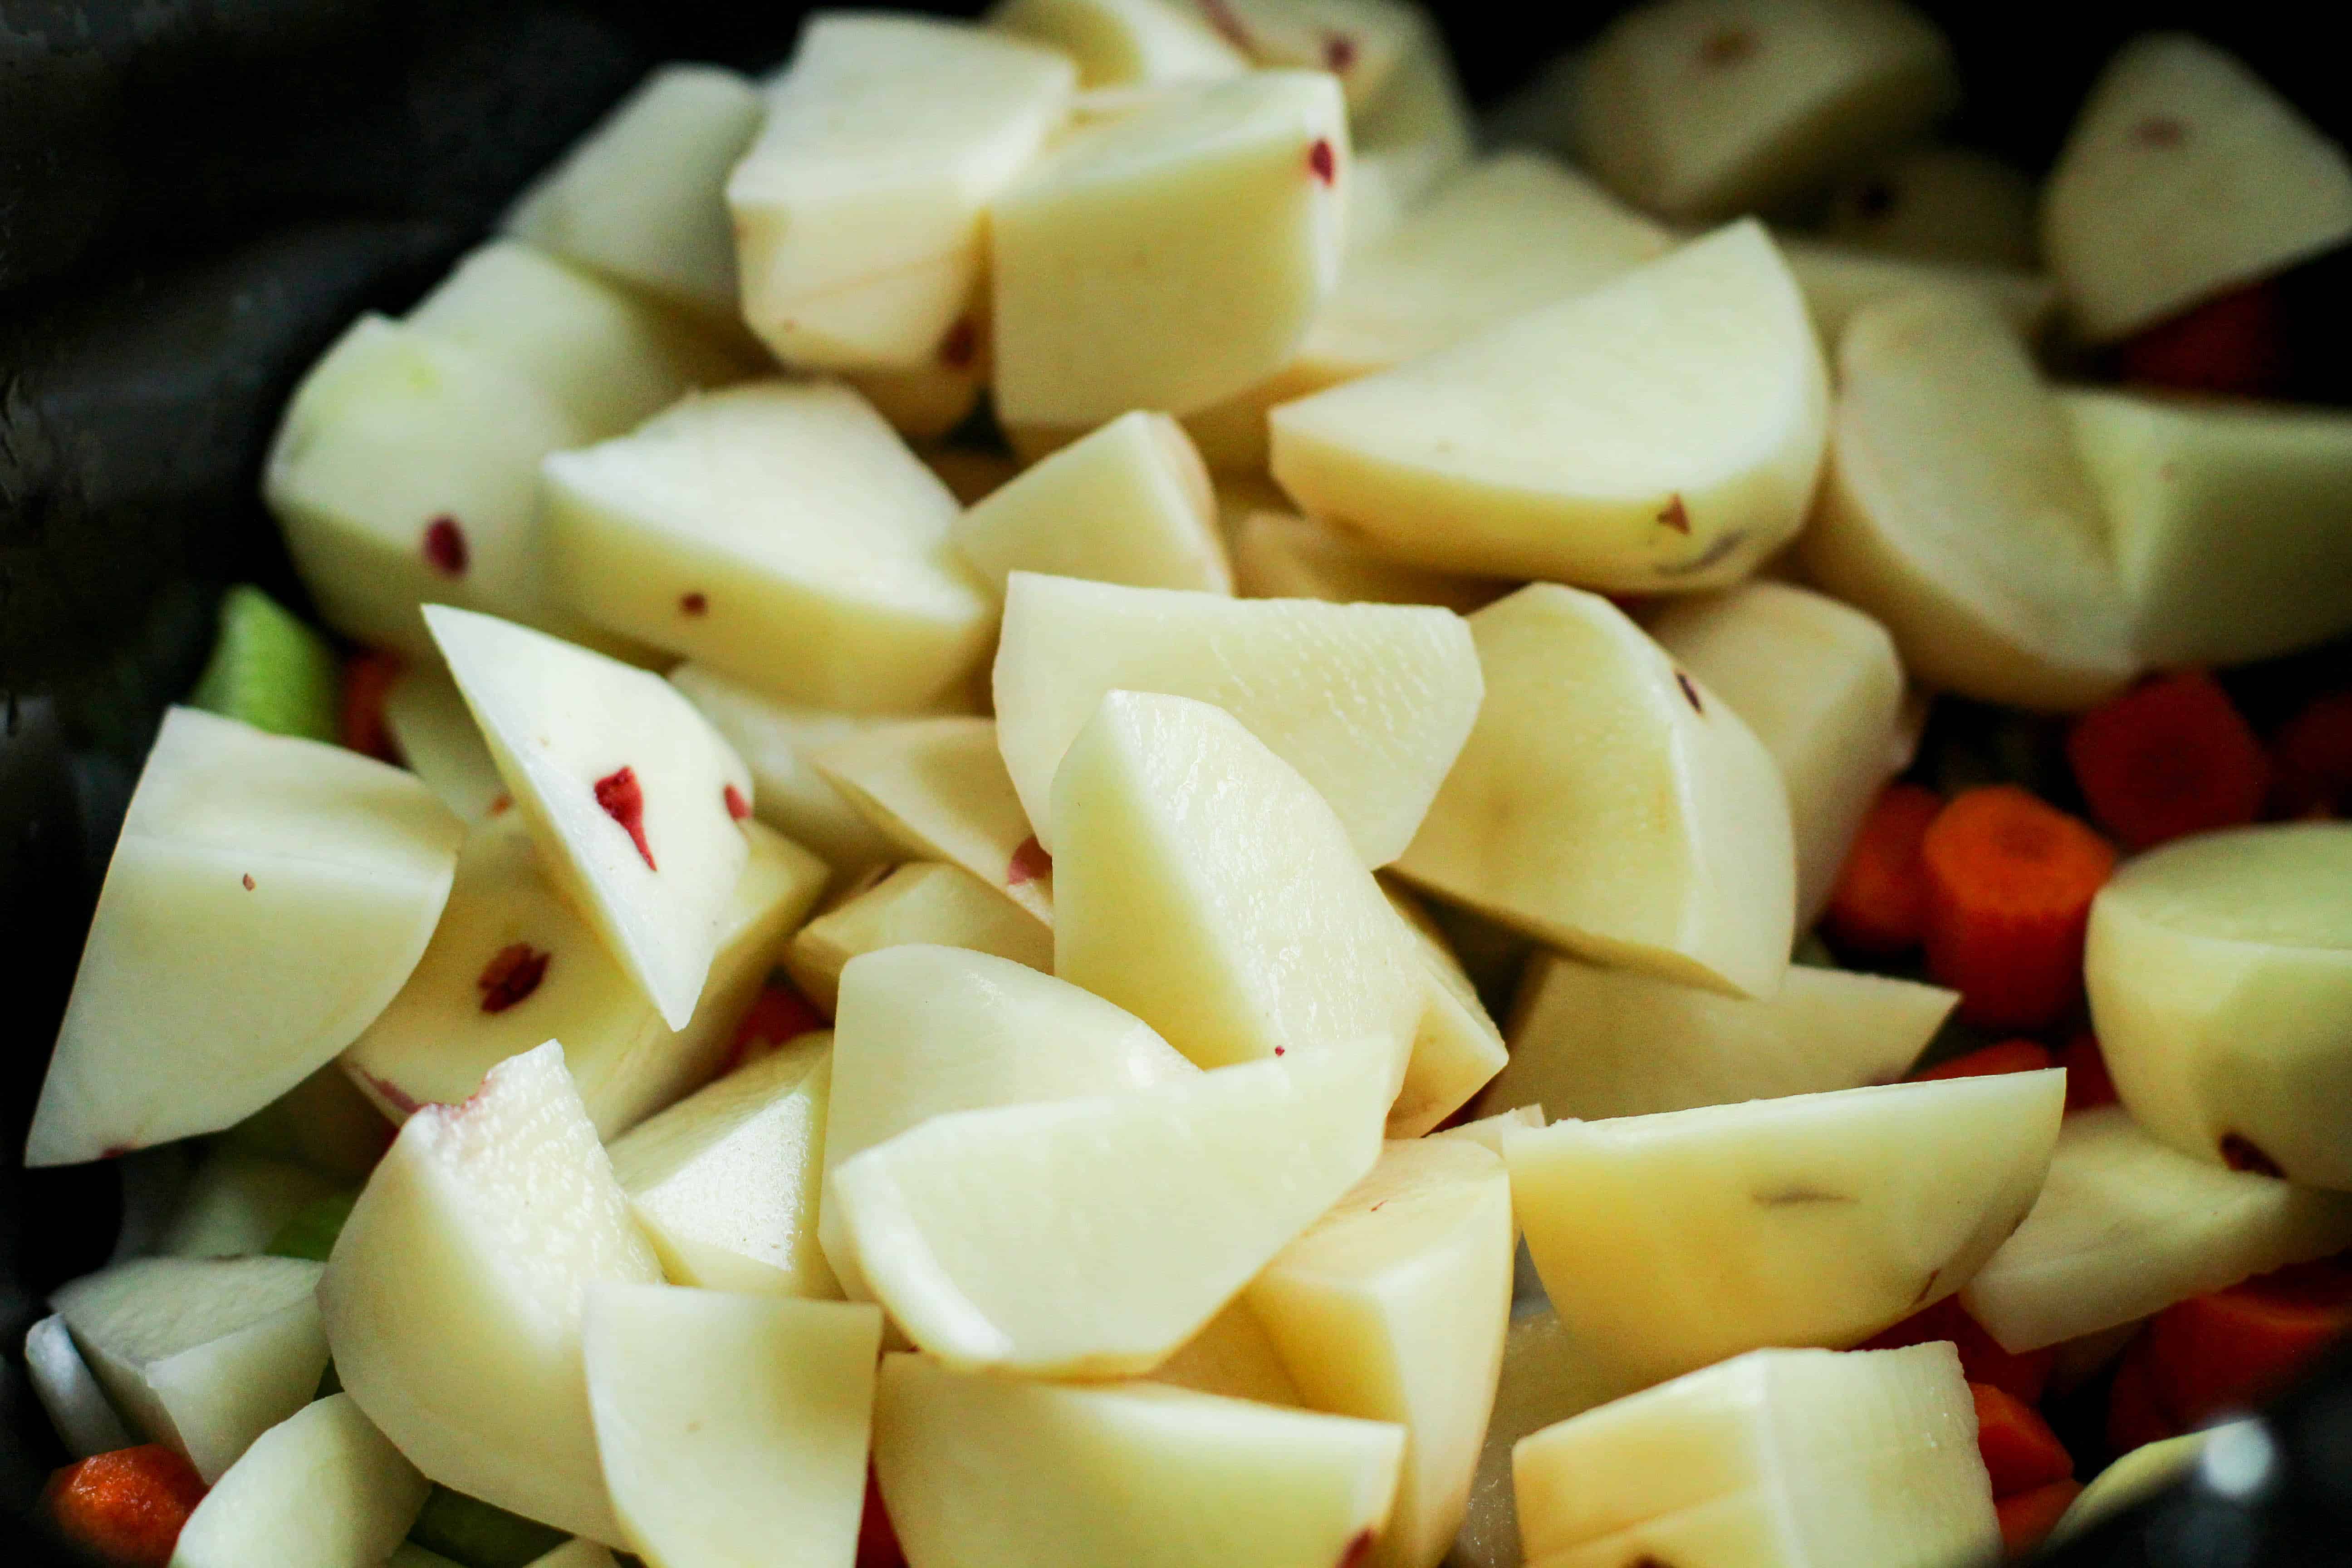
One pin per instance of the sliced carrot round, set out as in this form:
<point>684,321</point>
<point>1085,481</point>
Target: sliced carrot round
<point>1880,902</point>
<point>125,1508</point>
<point>2010,883</point>
<point>2235,1348</point>
<point>2020,1452</point>
<point>2027,1518</point>
<point>2169,757</point>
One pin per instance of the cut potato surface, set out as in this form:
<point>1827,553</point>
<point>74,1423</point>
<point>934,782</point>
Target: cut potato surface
<point>631,798</point>
<point>1414,132</point>
<point>2220,970</point>
<point>858,212</point>
<point>724,1183</point>
<point>323,1488</point>
<point>2126,1226</point>
<point>1698,110</point>
<point>1592,1042</point>
<point>1232,1357</point>
<point>1125,43</point>
<point>1392,1308</point>
<point>729,1425</point>
<point>936,789</point>
<point>924,902</point>
<point>642,197</point>
<point>1957,513</point>
<point>1456,1050</point>
<point>1670,1241</point>
<point>780,532</point>
<point>1171,256</point>
<point>2184,176</point>
<point>453,1298</point>
<point>1280,555</point>
<point>1838,280</point>
<point>1608,804</point>
<point>1820,684</point>
<point>513,963</point>
<point>1094,1236</point>
<point>1362,42</point>
<point>1661,433</point>
<point>438,742</point>
<point>276,892</point>
<point>201,1356</point>
<point>1205,887</point>
<point>1371,703</point>
<point>1129,503</point>
<point>1777,1459</point>
<point>2231,531</point>
<point>923,1031</point>
<point>984,1472</point>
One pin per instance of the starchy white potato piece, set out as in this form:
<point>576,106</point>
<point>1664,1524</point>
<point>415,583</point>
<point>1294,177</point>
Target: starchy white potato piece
<point>923,901</point>
<point>438,742</point>
<point>1838,280</point>
<point>2185,175</point>
<point>323,1488</point>
<point>936,789</point>
<point>1125,43</point>
<point>1458,1050</point>
<point>1281,555</point>
<point>1129,503</point>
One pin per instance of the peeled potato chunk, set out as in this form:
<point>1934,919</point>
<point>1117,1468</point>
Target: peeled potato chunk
<point>1125,43</point>
<point>2126,1226</point>
<point>2185,174</point>
<point>1608,804</point>
<point>1661,433</point>
<point>859,211</point>
<point>1280,555</point>
<point>1939,203</point>
<point>1171,256</point>
<point>1781,1458</point>
<point>1700,110</point>
<point>1957,513</point>
<point>1838,280</point>
<point>2220,969</point>
<point>1458,1050</point>
<point>936,789</point>
<point>1592,1042</point>
<point>2232,526</point>
<point>1667,1242</point>
<point>921,902</point>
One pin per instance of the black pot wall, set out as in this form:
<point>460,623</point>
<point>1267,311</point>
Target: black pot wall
<point>197,194</point>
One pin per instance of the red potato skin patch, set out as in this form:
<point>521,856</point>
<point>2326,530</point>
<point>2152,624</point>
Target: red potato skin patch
<point>1360,1551</point>
<point>1676,516</point>
<point>2241,1152</point>
<point>1030,863</point>
<point>694,604</point>
<point>1322,162</point>
<point>513,973</point>
<point>737,807</point>
<point>248,881</point>
<point>394,1095</point>
<point>624,800</point>
<point>961,346</point>
<point>1338,53</point>
<point>444,546</point>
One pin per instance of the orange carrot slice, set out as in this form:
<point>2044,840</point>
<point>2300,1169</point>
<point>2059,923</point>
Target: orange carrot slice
<point>2020,1452</point>
<point>125,1508</point>
<point>2027,1518</point>
<point>2171,757</point>
<point>2010,883</point>
<point>1880,902</point>
<point>2235,1348</point>
<point>2009,1055</point>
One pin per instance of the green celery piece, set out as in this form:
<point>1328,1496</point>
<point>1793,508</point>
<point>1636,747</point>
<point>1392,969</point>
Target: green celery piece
<point>270,670</point>
<point>473,1534</point>
<point>311,1230</point>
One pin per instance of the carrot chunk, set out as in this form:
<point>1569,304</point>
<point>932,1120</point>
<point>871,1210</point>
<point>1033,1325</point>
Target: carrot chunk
<point>1880,903</point>
<point>2027,1518</point>
<point>2009,1055</point>
<point>2235,343</point>
<point>125,1508</point>
<point>2235,1348</point>
<point>2088,1086</point>
<point>2136,1416</point>
<point>1982,1358</point>
<point>2171,757</point>
<point>2020,1452</point>
<point>367,677</point>
<point>2010,883</point>
<point>2311,760</point>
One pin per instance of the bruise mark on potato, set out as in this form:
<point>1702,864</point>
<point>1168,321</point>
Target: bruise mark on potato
<point>697,603</point>
<point>444,546</point>
<point>1712,555</point>
<point>1676,516</point>
<point>512,973</point>
<point>1030,863</point>
<point>1798,1195</point>
<point>247,879</point>
<point>2160,131</point>
<point>1338,53</point>
<point>961,346</point>
<point>1726,46</point>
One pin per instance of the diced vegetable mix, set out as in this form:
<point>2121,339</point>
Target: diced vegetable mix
<point>1120,1011</point>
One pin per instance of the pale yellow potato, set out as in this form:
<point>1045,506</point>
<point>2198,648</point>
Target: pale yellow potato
<point>731,1425</point>
<point>1956,512</point>
<point>2228,520</point>
<point>936,789</point>
<point>1415,133</point>
<point>1820,683</point>
<point>1838,280</point>
<point>1093,1238</point>
<point>438,742</point>
<point>1546,1378</point>
<point>267,897</point>
<point>1362,42</point>
<point>453,1298</point>
<point>923,1031</point>
<point>2127,1225</point>
<point>923,901</point>
<point>1205,887</point>
<point>1232,1356</point>
<point>1592,1042</point>
<point>642,197</point>
<point>859,213</point>
<point>1371,703</point>
<point>1937,203</point>
<point>2138,1474</point>
<point>202,1355</point>
<point>1125,43</point>
<point>1129,503</point>
<point>2184,176</point>
<point>235,1203</point>
<point>324,1122</point>
<point>1456,1049</point>
<point>1671,1241</point>
<point>780,532</point>
<point>927,401</point>
<point>1779,1458</point>
<point>1392,1308</point>
<point>1488,1131</point>
<point>1280,555</point>
<point>1660,432</point>
<point>563,726</point>
<point>323,1488</point>
<point>1701,110</point>
<point>724,1183</point>
<point>985,1472</point>
<point>1610,806</point>
<point>437,1037</point>
<point>1171,256</point>
<point>2220,971</point>
<point>777,739</point>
